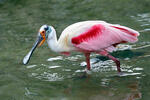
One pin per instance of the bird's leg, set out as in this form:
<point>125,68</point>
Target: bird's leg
<point>87,56</point>
<point>105,53</point>
<point>116,61</point>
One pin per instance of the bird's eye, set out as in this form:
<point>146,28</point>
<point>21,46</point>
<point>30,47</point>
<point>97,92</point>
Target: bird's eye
<point>43,32</point>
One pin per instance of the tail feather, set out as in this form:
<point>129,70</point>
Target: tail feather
<point>124,35</point>
<point>128,35</point>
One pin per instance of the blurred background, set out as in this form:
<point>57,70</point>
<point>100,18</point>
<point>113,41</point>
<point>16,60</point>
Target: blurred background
<point>50,76</point>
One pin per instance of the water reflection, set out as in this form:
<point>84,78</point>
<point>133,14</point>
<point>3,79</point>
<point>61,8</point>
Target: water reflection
<point>105,82</point>
<point>135,93</point>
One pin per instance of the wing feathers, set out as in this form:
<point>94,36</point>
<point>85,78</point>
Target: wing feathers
<point>104,37</point>
<point>86,36</point>
<point>126,30</point>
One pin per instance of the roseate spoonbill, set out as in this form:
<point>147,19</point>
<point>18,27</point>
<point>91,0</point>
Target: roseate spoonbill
<point>88,36</point>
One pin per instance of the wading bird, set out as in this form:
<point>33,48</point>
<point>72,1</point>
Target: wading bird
<point>88,36</point>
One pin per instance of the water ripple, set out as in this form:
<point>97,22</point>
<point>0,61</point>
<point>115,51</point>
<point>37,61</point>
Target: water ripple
<point>104,81</point>
<point>144,20</point>
<point>129,74</point>
<point>50,77</point>
<point>122,47</point>
<point>109,66</point>
<point>55,58</point>
<point>28,92</point>
<point>72,58</point>
<point>31,66</point>
<point>53,67</point>
<point>137,68</point>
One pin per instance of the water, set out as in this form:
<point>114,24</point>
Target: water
<point>50,76</point>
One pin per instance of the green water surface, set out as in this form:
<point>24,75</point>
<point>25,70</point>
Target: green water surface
<point>51,76</point>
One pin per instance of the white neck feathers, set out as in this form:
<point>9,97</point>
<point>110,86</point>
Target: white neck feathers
<point>52,41</point>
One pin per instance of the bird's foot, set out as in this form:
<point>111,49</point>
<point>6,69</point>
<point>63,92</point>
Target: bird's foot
<point>120,73</point>
<point>88,72</point>
<point>83,75</point>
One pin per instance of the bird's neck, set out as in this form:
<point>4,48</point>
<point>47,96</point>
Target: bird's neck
<point>53,42</point>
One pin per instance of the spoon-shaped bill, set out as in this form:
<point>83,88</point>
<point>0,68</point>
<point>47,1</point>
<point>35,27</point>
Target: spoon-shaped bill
<point>28,56</point>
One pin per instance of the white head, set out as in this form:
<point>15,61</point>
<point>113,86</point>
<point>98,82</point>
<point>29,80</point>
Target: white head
<point>44,32</point>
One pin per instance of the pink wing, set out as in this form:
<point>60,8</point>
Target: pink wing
<point>104,37</point>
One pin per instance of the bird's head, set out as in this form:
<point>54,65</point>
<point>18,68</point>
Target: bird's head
<point>43,34</point>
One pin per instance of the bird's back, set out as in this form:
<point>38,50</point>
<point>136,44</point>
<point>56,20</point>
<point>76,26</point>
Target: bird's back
<point>95,35</point>
<point>74,30</point>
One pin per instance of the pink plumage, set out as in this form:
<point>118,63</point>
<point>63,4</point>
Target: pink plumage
<point>88,36</point>
<point>97,36</point>
<point>100,37</point>
<point>104,37</point>
<point>94,31</point>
